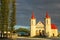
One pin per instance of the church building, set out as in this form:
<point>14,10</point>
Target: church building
<point>43,29</point>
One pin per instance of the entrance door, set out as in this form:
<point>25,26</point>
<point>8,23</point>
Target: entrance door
<point>53,34</point>
<point>40,32</point>
<point>43,33</point>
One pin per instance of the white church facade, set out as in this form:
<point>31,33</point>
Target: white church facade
<point>43,29</point>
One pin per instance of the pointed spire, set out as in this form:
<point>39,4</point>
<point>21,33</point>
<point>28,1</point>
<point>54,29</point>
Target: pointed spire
<point>32,17</point>
<point>47,16</point>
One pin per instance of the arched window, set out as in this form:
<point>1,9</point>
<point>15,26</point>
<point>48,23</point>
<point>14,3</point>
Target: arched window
<point>47,21</point>
<point>31,22</point>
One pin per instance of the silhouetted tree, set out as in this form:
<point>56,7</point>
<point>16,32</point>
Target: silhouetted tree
<point>4,15</point>
<point>7,18</point>
<point>13,16</point>
<point>23,30</point>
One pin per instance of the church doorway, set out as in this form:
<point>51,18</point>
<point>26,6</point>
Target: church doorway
<point>40,33</point>
<point>43,33</point>
<point>36,32</point>
<point>53,34</point>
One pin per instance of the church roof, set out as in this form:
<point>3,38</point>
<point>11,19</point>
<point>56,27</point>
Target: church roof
<point>47,16</point>
<point>53,26</point>
<point>32,17</point>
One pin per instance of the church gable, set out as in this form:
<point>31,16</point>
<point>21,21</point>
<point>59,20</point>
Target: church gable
<point>40,25</point>
<point>40,28</point>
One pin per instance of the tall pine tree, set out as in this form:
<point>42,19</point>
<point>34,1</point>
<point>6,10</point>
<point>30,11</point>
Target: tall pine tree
<point>13,16</point>
<point>4,16</point>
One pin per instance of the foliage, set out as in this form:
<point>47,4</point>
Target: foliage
<point>13,16</point>
<point>23,30</point>
<point>4,14</point>
<point>7,18</point>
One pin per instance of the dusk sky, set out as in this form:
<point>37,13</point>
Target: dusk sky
<point>25,8</point>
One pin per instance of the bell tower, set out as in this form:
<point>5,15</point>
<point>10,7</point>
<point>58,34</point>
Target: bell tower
<point>32,25</point>
<point>48,25</point>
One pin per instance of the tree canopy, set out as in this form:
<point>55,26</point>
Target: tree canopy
<point>23,30</point>
<point>7,16</point>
